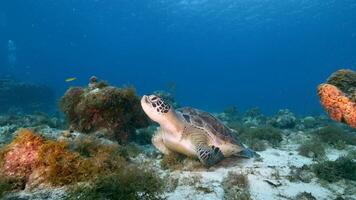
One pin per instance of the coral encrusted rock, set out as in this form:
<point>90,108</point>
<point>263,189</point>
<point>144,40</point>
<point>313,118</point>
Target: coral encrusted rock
<point>114,112</point>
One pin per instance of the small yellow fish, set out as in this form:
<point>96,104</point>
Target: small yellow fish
<point>70,79</point>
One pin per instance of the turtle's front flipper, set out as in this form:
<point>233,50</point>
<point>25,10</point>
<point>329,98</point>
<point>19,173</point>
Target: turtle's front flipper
<point>208,155</point>
<point>157,141</point>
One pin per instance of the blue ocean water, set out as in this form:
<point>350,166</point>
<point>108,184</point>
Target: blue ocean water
<point>266,53</point>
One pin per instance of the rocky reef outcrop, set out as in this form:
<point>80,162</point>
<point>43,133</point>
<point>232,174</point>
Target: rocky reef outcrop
<point>25,97</point>
<point>114,112</point>
<point>315,159</point>
<point>337,96</point>
<point>283,119</point>
<point>72,167</point>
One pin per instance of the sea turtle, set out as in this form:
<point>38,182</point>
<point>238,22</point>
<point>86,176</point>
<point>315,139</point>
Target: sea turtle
<point>192,132</point>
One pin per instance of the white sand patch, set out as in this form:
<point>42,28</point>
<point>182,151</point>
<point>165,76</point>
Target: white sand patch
<point>274,167</point>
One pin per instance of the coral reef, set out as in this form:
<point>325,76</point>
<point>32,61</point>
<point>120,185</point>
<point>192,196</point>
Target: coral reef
<point>255,137</point>
<point>38,121</point>
<point>114,112</point>
<point>20,158</point>
<point>338,96</point>
<point>309,122</point>
<point>34,161</point>
<point>339,107</point>
<point>25,97</point>
<point>283,119</point>
<point>332,171</point>
<point>253,117</point>
<point>33,120</point>
<point>38,161</point>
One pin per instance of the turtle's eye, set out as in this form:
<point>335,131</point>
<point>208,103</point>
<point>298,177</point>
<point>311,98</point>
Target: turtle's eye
<point>154,98</point>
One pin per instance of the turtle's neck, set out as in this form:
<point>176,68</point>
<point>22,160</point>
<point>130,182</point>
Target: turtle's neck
<point>172,123</point>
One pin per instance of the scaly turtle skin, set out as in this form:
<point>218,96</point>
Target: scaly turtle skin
<point>192,132</point>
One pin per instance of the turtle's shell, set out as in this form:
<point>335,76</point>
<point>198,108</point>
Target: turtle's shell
<point>206,121</point>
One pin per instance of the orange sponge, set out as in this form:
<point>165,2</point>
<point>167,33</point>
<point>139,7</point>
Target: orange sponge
<point>339,107</point>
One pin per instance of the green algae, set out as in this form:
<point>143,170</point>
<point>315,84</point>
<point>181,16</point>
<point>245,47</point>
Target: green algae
<point>254,137</point>
<point>314,150</point>
<point>332,171</point>
<point>335,136</point>
<point>236,186</point>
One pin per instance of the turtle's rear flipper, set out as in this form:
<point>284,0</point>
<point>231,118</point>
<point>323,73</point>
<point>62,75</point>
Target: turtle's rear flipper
<point>209,155</point>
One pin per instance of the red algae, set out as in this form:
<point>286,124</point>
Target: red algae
<point>21,156</point>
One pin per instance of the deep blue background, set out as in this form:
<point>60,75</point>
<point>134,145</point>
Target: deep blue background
<point>266,53</point>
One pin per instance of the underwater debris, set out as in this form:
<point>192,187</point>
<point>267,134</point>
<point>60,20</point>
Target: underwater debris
<point>114,112</point>
<point>283,119</point>
<point>338,96</point>
<point>25,97</point>
<point>333,171</point>
<point>236,186</point>
<point>273,183</point>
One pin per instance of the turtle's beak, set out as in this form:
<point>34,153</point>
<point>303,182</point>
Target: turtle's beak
<point>145,99</point>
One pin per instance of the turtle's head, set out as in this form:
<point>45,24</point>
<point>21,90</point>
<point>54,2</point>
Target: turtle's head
<point>157,109</point>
